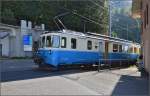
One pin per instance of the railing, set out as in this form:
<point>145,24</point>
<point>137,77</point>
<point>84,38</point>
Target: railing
<point>110,61</point>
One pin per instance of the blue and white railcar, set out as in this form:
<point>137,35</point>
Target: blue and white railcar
<point>68,47</point>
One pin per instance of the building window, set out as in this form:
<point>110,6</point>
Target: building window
<point>63,42</point>
<point>48,41</point>
<point>115,47</point>
<point>147,13</point>
<point>89,45</point>
<point>73,43</point>
<point>145,18</point>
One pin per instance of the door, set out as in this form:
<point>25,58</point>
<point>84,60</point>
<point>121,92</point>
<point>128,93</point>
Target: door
<point>106,50</point>
<point>0,50</point>
<point>101,50</point>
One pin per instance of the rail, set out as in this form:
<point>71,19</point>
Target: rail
<point>110,61</point>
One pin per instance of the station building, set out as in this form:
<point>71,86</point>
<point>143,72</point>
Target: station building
<point>145,13</point>
<point>18,41</point>
<point>141,8</point>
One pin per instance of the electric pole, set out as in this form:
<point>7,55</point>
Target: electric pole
<point>109,10</point>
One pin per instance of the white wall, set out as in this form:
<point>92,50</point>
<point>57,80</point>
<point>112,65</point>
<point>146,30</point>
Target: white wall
<point>5,46</point>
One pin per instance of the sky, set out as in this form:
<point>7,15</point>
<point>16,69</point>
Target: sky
<point>121,3</point>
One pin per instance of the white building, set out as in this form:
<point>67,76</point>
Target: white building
<point>17,41</point>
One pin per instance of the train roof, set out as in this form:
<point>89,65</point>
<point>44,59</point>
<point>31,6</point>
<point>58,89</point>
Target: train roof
<point>90,35</point>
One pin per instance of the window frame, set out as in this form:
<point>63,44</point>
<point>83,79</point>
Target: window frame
<point>147,14</point>
<point>117,49</point>
<point>42,44</point>
<point>53,41</point>
<point>50,41</point>
<point>89,46</point>
<point>135,50</point>
<point>74,43</point>
<point>65,42</point>
<point>120,48</point>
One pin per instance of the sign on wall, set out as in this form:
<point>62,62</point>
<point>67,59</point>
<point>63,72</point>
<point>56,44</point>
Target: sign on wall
<point>27,42</point>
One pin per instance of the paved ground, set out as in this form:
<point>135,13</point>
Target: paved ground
<point>20,77</point>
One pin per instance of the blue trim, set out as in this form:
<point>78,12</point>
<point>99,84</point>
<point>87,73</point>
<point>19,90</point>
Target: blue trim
<point>63,57</point>
<point>118,55</point>
<point>58,57</point>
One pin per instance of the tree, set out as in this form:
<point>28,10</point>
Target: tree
<point>45,11</point>
<point>8,16</point>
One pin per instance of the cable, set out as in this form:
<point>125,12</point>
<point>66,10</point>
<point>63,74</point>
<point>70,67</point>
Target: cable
<point>83,17</point>
<point>57,17</point>
<point>97,4</point>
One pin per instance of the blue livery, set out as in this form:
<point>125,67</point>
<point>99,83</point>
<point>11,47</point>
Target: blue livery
<point>70,48</point>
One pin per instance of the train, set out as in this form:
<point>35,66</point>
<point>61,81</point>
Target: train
<point>67,47</point>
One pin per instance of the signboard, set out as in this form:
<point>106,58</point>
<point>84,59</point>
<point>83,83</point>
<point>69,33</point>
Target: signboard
<point>27,42</point>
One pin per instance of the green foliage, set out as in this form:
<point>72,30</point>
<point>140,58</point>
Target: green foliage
<point>44,11</point>
<point>114,34</point>
<point>8,16</point>
<point>126,27</point>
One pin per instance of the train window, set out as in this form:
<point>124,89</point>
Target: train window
<point>63,42</point>
<point>73,43</point>
<point>130,50</point>
<point>125,48</point>
<point>48,41</point>
<point>96,45</point>
<point>115,47</point>
<point>56,41</point>
<point>100,47</point>
<point>120,48</point>
<point>135,50</point>
<point>43,42</point>
<point>139,50</point>
<point>89,45</point>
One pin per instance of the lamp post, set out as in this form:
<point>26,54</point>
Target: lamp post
<point>109,9</point>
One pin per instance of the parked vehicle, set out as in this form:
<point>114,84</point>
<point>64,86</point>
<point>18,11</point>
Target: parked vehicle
<point>67,47</point>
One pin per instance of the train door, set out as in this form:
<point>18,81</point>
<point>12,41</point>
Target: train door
<point>106,50</point>
<point>101,49</point>
<point>0,50</point>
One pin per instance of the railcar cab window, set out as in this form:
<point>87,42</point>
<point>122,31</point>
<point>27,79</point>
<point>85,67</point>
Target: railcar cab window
<point>89,45</point>
<point>48,41</point>
<point>115,47</point>
<point>63,42</point>
<point>73,43</point>
<point>56,41</point>
<point>43,42</point>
